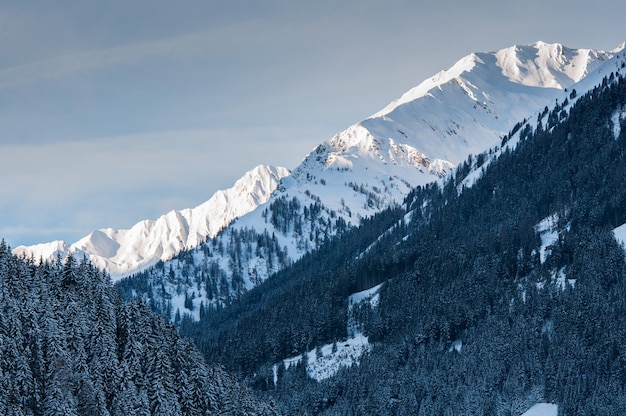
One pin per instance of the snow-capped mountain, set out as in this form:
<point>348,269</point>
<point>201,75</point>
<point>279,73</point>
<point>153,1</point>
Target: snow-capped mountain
<point>372,165</point>
<point>517,230</point>
<point>424,134</point>
<point>121,252</point>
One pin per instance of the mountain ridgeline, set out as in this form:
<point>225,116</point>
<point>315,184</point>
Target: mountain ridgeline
<point>123,252</point>
<point>502,286</point>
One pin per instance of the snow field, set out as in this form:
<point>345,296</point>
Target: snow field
<point>348,353</point>
<point>549,235</point>
<point>542,409</point>
<point>323,363</point>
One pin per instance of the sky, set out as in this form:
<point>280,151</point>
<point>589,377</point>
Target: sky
<point>118,111</point>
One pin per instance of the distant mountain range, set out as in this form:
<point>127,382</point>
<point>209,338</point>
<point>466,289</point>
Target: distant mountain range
<point>121,252</point>
<point>370,166</point>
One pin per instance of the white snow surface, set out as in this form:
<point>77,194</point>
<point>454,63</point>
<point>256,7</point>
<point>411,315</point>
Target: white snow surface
<point>456,346</point>
<point>616,119</point>
<point>320,368</point>
<point>122,252</point>
<point>542,409</point>
<point>547,229</point>
<point>370,295</point>
<point>620,234</point>
<point>464,109</point>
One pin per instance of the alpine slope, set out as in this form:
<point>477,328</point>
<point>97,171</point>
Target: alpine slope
<point>271,217</point>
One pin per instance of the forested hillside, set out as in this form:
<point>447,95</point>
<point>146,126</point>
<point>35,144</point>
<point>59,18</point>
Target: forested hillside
<point>499,292</point>
<point>368,167</point>
<point>70,346</point>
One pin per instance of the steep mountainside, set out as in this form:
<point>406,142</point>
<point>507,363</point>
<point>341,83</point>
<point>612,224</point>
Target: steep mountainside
<point>498,288</point>
<point>121,252</point>
<point>368,167</point>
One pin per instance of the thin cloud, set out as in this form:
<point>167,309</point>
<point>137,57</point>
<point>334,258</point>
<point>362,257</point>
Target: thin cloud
<point>70,64</point>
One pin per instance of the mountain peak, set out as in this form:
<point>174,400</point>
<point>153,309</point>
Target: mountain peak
<point>541,64</point>
<point>548,65</point>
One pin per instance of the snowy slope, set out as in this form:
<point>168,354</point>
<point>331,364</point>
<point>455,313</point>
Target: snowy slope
<point>459,111</point>
<point>436,125</point>
<point>414,140</point>
<point>370,166</point>
<point>542,409</point>
<point>124,251</point>
<point>424,134</point>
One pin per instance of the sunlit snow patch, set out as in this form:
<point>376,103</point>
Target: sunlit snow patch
<point>616,121</point>
<point>456,346</point>
<point>542,409</point>
<point>325,362</point>
<point>548,233</point>
<point>620,234</point>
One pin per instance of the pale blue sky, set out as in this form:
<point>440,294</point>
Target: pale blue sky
<point>113,112</point>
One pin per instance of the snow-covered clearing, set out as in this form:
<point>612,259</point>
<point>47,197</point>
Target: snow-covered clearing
<point>549,235</point>
<point>620,234</point>
<point>542,409</point>
<point>370,295</point>
<point>324,362</point>
<point>616,120</point>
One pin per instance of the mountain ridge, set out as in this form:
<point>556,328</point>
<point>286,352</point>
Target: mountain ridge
<point>517,270</point>
<point>128,250</point>
<point>414,140</point>
<point>360,171</point>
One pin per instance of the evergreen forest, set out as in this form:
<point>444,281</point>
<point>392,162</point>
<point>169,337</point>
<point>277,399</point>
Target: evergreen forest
<point>69,346</point>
